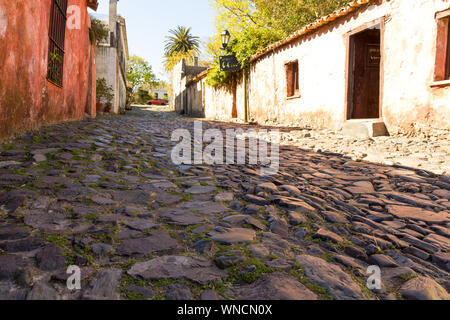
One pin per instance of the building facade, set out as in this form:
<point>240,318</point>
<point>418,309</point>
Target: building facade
<point>181,100</point>
<point>160,93</point>
<point>372,65</point>
<point>112,58</point>
<point>48,63</point>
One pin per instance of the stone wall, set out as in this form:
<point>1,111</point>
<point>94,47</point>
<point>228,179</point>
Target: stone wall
<point>27,99</point>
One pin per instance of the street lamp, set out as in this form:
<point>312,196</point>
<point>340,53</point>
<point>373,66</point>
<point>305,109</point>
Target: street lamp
<point>225,39</point>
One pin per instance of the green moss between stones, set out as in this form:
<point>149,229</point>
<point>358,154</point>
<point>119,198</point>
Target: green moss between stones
<point>297,271</point>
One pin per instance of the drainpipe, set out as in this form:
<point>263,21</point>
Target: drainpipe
<point>245,96</point>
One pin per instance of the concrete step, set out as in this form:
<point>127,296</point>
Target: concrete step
<point>364,129</point>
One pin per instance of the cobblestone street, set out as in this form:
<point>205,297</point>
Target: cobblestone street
<point>104,195</point>
<point>420,151</point>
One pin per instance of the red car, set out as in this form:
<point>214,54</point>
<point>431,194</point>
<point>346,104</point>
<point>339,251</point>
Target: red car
<point>158,102</point>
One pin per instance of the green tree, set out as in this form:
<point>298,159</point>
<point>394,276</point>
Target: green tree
<point>289,16</point>
<point>179,45</point>
<point>171,61</point>
<point>140,73</point>
<point>255,24</point>
<point>181,40</point>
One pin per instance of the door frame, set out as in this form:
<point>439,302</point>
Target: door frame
<point>349,65</point>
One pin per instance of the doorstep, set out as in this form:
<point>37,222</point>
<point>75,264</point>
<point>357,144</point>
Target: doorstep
<point>364,128</point>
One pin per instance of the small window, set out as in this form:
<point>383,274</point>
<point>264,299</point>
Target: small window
<point>57,31</point>
<point>292,79</point>
<point>442,69</point>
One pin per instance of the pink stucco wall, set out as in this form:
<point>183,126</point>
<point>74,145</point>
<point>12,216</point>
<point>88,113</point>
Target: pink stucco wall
<point>27,99</point>
<point>409,65</point>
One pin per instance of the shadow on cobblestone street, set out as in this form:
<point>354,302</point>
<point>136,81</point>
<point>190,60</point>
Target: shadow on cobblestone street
<point>104,195</point>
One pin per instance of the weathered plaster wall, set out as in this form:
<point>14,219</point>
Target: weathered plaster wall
<point>240,99</point>
<point>219,103</point>
<point>110,63</point>
<point>107,67</point>
<point>194,95</point>
<point>122,92</point>
<point>178,86</point>
<point>27,99</point>
<point>322,80</point>
<point>409,65</point>
<point>182,75</point>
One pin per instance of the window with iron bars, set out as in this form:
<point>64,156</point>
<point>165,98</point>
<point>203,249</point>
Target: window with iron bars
<point>56,34</point>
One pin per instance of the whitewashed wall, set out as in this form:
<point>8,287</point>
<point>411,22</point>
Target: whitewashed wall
<point>409,66</point>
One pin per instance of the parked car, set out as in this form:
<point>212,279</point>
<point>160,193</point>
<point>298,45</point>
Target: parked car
<point>159,102</point>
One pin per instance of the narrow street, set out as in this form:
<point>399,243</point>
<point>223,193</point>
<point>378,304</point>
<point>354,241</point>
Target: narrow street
<point>104,195</point>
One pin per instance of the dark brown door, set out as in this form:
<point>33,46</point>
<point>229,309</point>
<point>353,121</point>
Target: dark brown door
<point>364,101</point>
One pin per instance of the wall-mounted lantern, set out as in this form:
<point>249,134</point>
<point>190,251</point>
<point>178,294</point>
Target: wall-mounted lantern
<point>229,62</point>
<point>226,36</point>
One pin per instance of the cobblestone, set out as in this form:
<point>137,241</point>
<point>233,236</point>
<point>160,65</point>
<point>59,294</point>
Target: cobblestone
<point>104,194</point>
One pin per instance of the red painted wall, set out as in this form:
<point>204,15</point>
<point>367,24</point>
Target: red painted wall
<point>27,99</point>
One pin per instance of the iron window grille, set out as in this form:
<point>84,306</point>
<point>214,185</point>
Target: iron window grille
<point>57,32</point>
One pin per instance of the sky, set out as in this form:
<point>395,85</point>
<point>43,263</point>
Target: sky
<point>149,21</point>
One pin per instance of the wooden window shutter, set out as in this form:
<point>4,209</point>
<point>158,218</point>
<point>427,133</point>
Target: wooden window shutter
<point>292,79</point>
<point>447,59</point>
<point>296,78</point>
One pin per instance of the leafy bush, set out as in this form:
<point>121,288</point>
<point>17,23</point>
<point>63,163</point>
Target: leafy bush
<point>140,73</point>
<point>98,31</point>
<point>105,93</point>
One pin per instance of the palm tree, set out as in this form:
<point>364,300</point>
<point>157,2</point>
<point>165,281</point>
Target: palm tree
<point>181,41</point>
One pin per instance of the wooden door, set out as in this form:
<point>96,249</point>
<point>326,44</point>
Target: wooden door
<point>365,103</point>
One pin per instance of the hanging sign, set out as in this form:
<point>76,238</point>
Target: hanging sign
<point>229,63</point>
<point>373,55</point>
